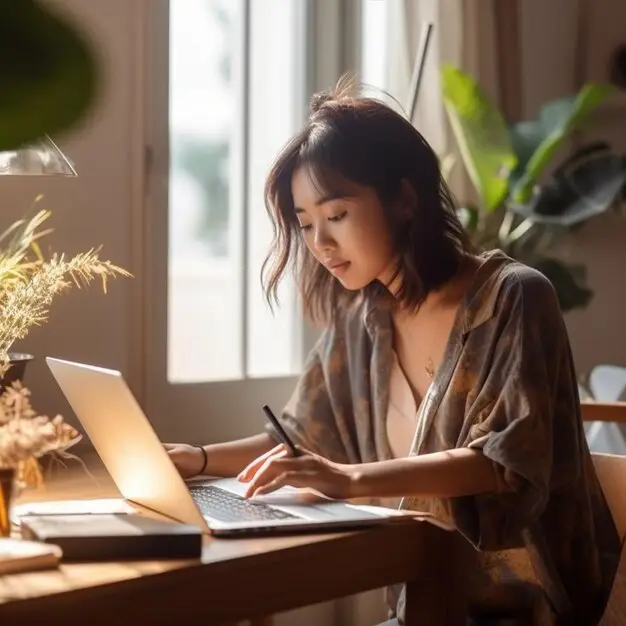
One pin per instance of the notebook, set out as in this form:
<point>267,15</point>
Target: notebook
<point>17,555</point>
<point>97,537</point>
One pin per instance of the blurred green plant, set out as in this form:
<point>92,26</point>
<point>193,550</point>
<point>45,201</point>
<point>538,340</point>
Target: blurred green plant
<point>48,74</point>
<point>522,209</point>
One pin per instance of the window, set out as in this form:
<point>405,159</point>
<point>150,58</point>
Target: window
<point>236,96</point>
<point>374,25</point>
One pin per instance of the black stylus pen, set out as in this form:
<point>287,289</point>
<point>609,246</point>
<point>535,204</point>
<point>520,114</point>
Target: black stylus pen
<point>281,431</point>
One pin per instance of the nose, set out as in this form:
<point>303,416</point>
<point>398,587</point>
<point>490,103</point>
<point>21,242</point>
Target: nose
<point>322,239</point>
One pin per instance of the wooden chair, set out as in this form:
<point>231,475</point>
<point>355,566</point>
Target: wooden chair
<point>603,411</point>
<point>611,470</point>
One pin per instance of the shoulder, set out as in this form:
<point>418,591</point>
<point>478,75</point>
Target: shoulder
<point>519,281</point>
<point>527,301</point>
<point>505,289</point>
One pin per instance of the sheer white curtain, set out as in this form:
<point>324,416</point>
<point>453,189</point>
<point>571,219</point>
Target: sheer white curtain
<point>465,35</point>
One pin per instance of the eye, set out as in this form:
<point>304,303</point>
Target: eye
<point>305,226</point>
<point>338,218</point>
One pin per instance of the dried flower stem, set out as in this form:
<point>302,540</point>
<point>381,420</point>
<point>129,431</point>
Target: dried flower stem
<point>28,286</point>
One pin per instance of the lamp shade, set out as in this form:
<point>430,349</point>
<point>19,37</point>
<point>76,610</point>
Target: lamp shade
<point>42,158</point>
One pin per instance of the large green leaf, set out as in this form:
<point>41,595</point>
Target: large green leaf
<point>535,142</point>
<point>482,136</point>
<point>588,184</point>
<point>526,137</point>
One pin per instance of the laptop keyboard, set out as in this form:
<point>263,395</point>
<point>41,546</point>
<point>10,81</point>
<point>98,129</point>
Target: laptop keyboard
<point>225,506</point>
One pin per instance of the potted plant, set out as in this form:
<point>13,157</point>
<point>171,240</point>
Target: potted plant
<point>521,209</point>
<point>29,283</point>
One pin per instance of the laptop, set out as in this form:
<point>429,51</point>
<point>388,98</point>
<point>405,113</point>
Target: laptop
<point>145,475</point>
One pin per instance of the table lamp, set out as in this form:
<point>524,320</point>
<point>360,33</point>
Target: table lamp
<point>42,158</point>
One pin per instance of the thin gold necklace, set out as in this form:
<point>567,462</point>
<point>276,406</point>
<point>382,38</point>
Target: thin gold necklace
<point>429,368</point>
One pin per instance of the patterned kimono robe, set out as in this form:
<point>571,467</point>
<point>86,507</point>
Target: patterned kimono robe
<point>507,386</point>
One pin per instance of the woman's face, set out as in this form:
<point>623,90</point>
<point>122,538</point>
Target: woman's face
<point>349,235</point>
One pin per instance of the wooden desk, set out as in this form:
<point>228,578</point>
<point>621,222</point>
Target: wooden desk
<point>239,579</point>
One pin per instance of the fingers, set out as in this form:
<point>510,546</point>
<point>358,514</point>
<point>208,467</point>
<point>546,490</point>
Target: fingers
<point>248,472</point>
<point>274,467</point>
<point>293,478</point>
<point>304,451</point>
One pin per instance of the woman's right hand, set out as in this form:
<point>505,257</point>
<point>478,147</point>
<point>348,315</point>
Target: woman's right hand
<point>187,459</point>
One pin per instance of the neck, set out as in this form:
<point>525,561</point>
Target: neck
<point>449,293</point>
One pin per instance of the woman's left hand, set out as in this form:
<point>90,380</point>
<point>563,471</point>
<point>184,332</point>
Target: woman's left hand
<point>278,468</point>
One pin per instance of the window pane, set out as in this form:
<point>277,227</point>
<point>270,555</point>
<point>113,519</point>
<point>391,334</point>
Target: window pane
<point>219,229</point>
<point>205,277</point>
<point>277,90</point>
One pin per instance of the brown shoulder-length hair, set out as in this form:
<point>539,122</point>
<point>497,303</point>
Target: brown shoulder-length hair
<point>364,141</point>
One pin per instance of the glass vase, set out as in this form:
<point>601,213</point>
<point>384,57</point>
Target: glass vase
<point>7,481</point>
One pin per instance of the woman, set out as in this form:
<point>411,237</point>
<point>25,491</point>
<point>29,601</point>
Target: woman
<point>443,377</point>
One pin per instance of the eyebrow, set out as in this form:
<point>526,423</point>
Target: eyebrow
<point>324,199</point>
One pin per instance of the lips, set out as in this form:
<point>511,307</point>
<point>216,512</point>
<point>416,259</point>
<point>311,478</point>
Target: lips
<point>337,267</point>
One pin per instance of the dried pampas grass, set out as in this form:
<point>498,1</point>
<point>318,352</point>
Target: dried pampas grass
<point>29,283</point>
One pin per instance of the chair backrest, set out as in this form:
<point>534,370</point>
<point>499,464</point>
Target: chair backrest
<point>607,383</point>
<point>611,470</point>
